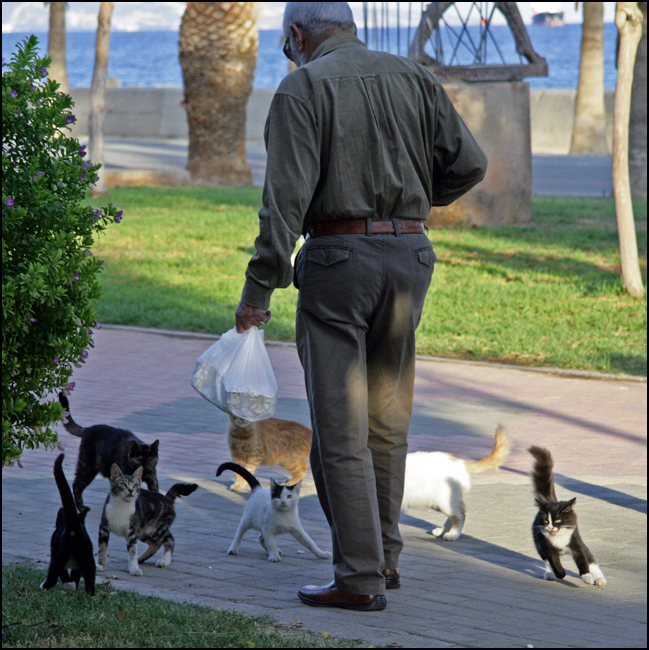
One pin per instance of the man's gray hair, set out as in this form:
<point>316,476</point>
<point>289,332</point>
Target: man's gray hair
<point>318,17</point>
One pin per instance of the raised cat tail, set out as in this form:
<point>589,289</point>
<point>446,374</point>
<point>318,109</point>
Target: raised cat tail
<point>181,490</point>
<point>496,458</point>
<point>70,426</point>
<point>72,518</point>
<point>241,471</point>
<point>542,474</point>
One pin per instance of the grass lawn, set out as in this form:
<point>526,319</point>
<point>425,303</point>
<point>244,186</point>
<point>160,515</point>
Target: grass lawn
<point>60,618</point>
<point>547,294</point>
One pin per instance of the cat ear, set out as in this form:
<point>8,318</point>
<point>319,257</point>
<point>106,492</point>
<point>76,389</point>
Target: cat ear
<point>133,448</point>
<point>296,487</point>
<point>540,503</point>
<point>115,471</point>
<point>569,504</point>
<point>154,446</point>
<point>138,472</point>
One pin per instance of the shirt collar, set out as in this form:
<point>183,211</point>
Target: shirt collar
<point>333,43</point>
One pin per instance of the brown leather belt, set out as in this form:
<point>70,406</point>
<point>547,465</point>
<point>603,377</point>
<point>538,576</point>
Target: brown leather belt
<point>366,226</point>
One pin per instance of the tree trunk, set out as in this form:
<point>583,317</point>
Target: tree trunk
<point>56,45</point>
<point>589,131</point>
<point>218,53</point>
<point>628,19</point>
<point>638,119</point>
<point>98,96</point>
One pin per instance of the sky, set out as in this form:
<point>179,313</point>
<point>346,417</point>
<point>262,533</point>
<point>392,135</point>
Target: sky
<point>166,16</point>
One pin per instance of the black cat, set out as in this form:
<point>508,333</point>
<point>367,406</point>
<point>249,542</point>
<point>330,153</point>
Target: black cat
<point>555,527</point>
<point>103,445</point>
<point>71,547</point>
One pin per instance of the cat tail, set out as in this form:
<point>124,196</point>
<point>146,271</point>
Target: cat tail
<point>542,474</point>
<point>496,458</point>
<point>237,469</point>
<point>72,518</point>
<point>181,490</point>
<point>70,426</point>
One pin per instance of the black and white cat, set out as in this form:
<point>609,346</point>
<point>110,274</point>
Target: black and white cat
<point>71,548</point>
<point>134,513</point>
<point>555,526</point>
<point>272,511</point>
<point>103,445</point>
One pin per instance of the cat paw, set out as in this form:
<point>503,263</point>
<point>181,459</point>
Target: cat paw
<point>275,558</point>
<point>233,551</point>
<point>325,555</point>
<point>71,586</point>
<point>162,563</point>
<point>601,582</point>
<point>588,578</point>
<point>548,575</point>
<point>451,536</point>
<point>100,567</point>
<point>437,532</point>
<point>136,572</point>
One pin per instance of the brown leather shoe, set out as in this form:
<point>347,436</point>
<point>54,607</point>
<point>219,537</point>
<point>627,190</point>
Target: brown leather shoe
<point>330,596</point>
<point>392,579</point>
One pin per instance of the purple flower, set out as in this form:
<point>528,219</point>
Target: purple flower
<point>97,325</point>
<point>56,360</point>
<point>84,354</point>
<point>33,86</point>
<point>82,150</point>
<point>32,319</point>
<point>44,72</point>
<point>87,164</point>
<point>95,179</point>
<point>41,173</point>
<point>69,387</point>
<point>101,262</point>
<point>91,343</point>
<point>69,118</point>
<point>76,276</point>
<point>9,203</point>
<point>83,175</point>
<point>118,216</point>
<point>96,214</point>
<point>14,93</point>
<point>88,252</point>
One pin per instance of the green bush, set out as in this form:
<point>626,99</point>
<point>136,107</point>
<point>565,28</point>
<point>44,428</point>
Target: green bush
<point>49,275</point>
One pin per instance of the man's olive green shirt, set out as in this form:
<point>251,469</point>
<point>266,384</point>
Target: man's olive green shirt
<point>354,134</point>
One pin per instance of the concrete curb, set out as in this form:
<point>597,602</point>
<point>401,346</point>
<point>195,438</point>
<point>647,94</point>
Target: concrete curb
<point>580,374</point>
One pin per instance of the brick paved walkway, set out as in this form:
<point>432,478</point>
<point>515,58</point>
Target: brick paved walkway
<point>485,590</point>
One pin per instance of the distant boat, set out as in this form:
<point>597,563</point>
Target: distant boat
<point>547,13</point>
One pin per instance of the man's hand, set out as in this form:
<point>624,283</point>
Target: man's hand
<point>247,316</point>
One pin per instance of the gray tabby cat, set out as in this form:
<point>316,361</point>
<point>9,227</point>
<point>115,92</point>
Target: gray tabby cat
<point>134,513</point>
<point>272,512</point>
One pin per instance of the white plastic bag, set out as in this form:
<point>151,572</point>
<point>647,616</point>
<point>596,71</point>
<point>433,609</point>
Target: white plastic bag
<point>235,374</point>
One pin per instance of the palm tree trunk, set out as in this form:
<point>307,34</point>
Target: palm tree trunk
<point>56,45</point>
<point>589,131</point>
<point>638,119</point>
<point>628,19</point>
<point>98,96</point>
<point>218,53</point>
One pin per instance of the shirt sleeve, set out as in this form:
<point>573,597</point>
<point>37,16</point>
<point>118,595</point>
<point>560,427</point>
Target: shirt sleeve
<point>458,160</point>
<point>292,173</point>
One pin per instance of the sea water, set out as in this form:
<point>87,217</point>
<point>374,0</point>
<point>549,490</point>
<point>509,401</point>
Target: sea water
<point>151,58</point>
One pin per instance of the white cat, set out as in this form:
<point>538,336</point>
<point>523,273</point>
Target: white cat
<point>438,480</point>
<point>272,511</point>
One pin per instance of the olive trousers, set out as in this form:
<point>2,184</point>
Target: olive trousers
<point>360,302</point>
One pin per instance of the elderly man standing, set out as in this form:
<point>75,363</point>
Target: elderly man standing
<point>360,145</point>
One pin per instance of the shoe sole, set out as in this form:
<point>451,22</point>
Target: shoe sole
<point>379,604</point>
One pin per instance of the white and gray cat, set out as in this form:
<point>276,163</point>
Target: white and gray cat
<point>272,511</point>
<point>134,513</point>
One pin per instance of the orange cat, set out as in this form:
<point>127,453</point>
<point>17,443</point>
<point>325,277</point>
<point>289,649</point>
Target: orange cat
<point>269,442</point>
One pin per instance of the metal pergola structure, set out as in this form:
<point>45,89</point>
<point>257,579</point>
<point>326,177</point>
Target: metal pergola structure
<point>434,30</point>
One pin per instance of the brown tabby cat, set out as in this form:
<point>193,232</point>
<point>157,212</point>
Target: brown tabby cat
<point>269,442</point>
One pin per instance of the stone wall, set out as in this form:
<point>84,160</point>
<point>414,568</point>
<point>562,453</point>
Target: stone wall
<point>157,113</point>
